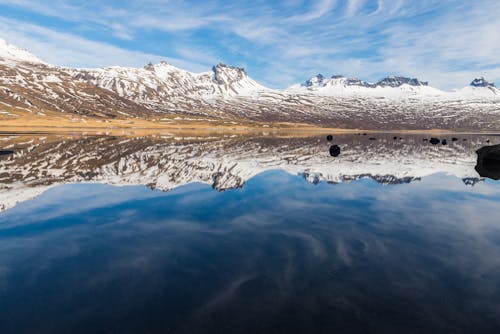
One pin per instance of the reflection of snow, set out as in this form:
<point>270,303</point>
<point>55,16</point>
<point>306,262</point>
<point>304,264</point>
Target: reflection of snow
<point>223,163</point>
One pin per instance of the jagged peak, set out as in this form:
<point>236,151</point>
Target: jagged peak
<point>340,79</point>
<point>12,52</point>
<point>481,82</point>
<point>149,67</point>
<point>391,81</point>
<point>161,65</point>
<point>398,81</point>
<point>226,74</point>
<point>315,80</point>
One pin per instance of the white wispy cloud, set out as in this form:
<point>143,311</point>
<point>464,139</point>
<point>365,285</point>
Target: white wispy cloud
<point>445,42</point>
<point>64,49</point>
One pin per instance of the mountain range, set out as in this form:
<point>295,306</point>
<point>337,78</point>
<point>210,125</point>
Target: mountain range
<point>164,93</point>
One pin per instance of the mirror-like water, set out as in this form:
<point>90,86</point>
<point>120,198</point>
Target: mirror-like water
<point>248,235</point>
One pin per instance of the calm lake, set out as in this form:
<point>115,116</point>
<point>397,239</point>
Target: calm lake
<point>249,234</point>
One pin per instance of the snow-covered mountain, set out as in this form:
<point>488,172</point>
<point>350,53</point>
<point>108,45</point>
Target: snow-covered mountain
<point>166,162</point>
<point>390,87</point>
<point>155,83</point>
<point>479,88</point>
<point>227,93</point>
<point>319,81</point>
<point>15,54</point>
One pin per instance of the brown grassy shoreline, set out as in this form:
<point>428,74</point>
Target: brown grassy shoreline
<point>29,124</point>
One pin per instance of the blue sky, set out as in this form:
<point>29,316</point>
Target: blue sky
<point>279,43</point>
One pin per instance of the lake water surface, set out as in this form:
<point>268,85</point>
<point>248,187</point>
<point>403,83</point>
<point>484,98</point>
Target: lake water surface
<point>237,234</point>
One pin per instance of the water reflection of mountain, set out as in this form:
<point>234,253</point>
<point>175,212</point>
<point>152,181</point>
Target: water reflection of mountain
<point>226,162</point>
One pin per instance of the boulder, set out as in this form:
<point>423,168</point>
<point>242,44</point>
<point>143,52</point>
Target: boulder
<point>434,141</point>
<point>334,150</point>
<point>488,162</point>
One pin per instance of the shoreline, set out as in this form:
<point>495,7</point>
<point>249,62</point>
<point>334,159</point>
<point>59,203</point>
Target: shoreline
<point>30,124</point>
<point>190,129</point>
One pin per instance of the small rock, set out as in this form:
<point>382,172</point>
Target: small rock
<point>444,142</point>
<point>334,150</point>
<point>373,138</point>
<point>394,138</point>
<point>434,141</point>
<point>454,139</point>
<point>329,137</point>
<point>6,152</point>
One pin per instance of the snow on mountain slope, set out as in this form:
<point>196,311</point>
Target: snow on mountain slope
<point>479,88</point>
<point>390,87</point>
<point>155,83</point>
<point>228,94</point>
<point>9,52</point>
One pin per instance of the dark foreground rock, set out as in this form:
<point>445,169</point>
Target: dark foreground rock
<point>6,152</point>
<point>334,150</point>
<point>488,162</point>
<point>434,141</point>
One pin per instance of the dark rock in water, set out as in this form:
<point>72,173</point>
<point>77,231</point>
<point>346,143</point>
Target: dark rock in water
<point>488,141</point>
<point>373,138</point>
<point>444,142</point>
<point>434,141</point>
<point>334,150</point>
<point>364,134</point>
<point>454,139</point>
<point>329,137</point>
<point>6,152</point>
<point>488,162</point>
<point>394,138</point>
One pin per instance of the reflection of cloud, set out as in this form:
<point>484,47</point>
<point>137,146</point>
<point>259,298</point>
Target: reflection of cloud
<point>411,243</point>
<point>314,244</point>
<point>225,295</point>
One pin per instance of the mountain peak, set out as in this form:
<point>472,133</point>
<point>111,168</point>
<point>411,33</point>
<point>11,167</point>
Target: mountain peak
<point>226,74</point>
<point>481,82</point>
<point>391,81</point>
<point>162,64</point>
<point>316,80</point>
<point>12,52</point>
<point>397,81</point>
